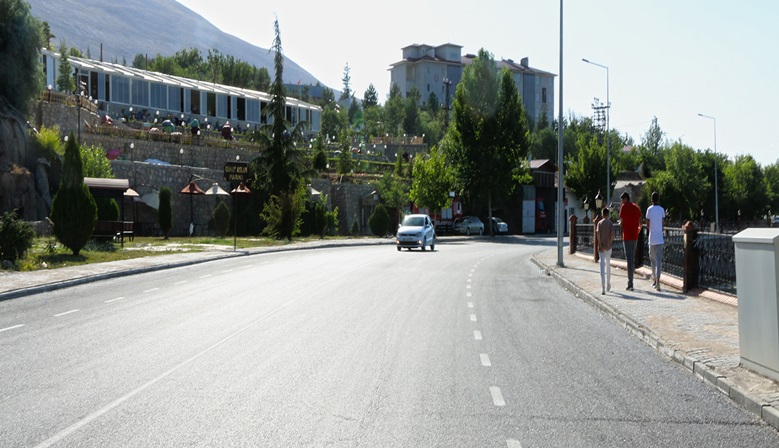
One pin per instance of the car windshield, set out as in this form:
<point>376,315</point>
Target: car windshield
<point>414,221</point>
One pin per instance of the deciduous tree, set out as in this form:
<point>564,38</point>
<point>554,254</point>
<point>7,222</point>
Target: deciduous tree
<point>20,36</point>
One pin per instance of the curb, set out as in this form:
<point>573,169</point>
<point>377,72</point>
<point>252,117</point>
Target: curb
<point>754,405</point>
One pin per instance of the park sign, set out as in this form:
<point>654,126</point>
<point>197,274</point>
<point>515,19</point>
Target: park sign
<point>236,171</point>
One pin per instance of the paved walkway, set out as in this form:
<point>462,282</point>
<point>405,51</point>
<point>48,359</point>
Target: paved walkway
<point>699,331</point>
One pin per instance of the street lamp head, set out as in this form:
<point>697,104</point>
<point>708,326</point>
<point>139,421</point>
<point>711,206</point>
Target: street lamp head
<point>585,60</point>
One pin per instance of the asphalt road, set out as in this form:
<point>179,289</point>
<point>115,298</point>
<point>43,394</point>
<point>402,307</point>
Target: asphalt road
<point>467,345</point>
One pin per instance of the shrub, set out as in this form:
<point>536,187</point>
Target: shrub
<point>16,236</point>
<point>165,212</point>
<point>355,226</point>
<point>107,209</point>
<point>320,160</point>
<point>221,219</point>
<point>332,221</point>
<point>283,214</point>
<point>379,221</point>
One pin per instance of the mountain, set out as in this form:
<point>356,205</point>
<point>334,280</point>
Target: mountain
<point>126,28</point>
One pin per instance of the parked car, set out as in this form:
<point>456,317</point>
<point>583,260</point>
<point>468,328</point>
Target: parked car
<point>499,226</point>
<point>775,221</point>
<point>416,231</point>
<point>469,225</point>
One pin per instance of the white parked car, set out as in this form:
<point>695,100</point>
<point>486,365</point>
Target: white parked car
<point>416,231</point>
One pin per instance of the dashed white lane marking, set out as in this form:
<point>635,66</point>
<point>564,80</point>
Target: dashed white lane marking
<point>485,360</point>
<point>468,294</point>
<point>247,267</point>
<point>114,300</point>
<point>11,328</point>
<point>497,397</point>
<point>180,283</point>
<point>66,312</point>
<point>469,280</point>
<point>470,304</point>
<point>511,443</point>
<point>205,276</point>
<point>473,318</point>
<point>477,335</point>
<point>227,271</point>
<point>468,286</point>
<point>150,290</point>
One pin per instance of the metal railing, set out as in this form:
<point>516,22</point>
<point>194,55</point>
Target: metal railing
<point>717,255</point>
<point>68,99</point>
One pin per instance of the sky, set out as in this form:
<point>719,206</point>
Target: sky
<point>669,59</point>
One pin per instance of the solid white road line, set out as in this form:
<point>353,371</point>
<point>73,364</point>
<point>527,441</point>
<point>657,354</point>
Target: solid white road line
<point>114,300</point>
<point>477,335</point>
<point>11,328</point>
<point>66,312</point>
<point>150,290</point>
<point>485,360</point>
<point>473,318</point>
<point>497,397</point>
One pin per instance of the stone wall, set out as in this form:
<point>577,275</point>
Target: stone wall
<point>138,150</point>
<point>146,178</point>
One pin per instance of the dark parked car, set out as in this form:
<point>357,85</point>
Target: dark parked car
<point>498,226</point>
<point>469,225</point>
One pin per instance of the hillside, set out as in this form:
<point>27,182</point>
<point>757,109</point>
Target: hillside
<point>128,27</point>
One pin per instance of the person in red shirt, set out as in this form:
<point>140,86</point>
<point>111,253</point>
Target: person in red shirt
<point>630,220</point>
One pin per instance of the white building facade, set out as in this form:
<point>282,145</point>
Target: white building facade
<point>438,69</point>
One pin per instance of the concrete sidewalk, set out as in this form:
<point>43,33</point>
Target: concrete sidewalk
<point>698,331</point>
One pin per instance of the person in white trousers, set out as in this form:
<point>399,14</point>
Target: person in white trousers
<point>605,232</point>
<point>655,217</point>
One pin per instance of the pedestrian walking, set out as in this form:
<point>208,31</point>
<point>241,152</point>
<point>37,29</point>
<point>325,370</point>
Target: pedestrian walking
<point>655,219</point>
<point>605,231</point>
<point>630,221</point>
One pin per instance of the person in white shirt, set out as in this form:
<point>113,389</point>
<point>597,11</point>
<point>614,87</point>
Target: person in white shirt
<point>655,217</point>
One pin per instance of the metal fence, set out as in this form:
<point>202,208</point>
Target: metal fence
<point>717,256</point>
<point>715,252</point>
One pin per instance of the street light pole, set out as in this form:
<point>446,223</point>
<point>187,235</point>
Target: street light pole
<point>716,191</point>
<point>608,140</point>
<point>560,165</point>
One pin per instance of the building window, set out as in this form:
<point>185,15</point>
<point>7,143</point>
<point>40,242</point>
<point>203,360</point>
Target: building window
<point>543,94</point>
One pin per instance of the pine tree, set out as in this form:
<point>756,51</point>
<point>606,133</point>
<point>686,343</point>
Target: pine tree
<point>165,212</point>
<point>65,81</point>
<point>73,208</point>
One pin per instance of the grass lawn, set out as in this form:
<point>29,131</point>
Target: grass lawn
<point>47,253</point>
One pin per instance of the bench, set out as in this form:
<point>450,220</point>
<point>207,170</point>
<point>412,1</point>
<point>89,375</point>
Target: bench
<point>113,230</point>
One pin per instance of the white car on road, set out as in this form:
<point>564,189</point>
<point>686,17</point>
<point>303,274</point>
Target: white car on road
<point>416,231</point>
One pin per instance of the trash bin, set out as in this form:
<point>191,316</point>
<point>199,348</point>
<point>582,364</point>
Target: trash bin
<point>757,265</point>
